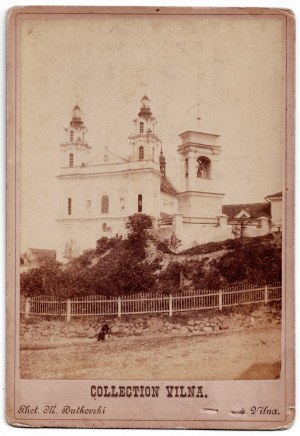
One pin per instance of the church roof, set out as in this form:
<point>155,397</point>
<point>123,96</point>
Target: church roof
<point>253,210</point>
<point>166,186</point>
<point>98,159</point>
<point>42,255</point>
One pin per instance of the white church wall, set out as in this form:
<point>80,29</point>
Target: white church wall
<point>168,203</point>
<point>192,234</point>
<point>276,212</point>
<point>200,205</point>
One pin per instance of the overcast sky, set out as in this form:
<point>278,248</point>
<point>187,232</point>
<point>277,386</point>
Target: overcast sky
<point>237,65</point>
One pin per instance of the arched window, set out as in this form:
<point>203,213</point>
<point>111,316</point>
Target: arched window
<point>71,159</point>
<point>141,127</point>
<point>140,203</point>
<point>104,204</point>
<point>204,167</point>
<point>104,227</point>
<point>71,136</point>
<point>69,206</point>
<point>141,152</point>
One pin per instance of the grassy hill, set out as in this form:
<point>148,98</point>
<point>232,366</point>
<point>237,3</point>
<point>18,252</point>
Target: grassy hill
<point>141,264</point>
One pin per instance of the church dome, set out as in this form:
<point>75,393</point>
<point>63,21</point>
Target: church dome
<point>145,111</point>
<point>162,158</point>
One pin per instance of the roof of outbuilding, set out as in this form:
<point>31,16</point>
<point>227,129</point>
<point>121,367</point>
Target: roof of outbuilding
<point>255,210</point>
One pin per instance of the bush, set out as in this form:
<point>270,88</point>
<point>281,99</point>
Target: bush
<point>169,280</point>
<point>104,244</point>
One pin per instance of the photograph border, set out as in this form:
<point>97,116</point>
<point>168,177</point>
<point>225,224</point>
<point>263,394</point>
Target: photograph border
<point>16,15</point>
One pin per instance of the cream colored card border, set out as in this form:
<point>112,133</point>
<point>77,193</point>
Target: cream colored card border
<point>140,413</point>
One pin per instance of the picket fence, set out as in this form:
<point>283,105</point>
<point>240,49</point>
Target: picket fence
<point>148,303</point>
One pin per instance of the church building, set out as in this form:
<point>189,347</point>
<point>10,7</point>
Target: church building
<point>98,193</point>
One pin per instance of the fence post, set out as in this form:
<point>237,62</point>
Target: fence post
<point>119,307</point>
<point>170,305</point>
<point>220,299</point>
<point>68,310</point>
<point>27,307</point>
<point>266,294</point>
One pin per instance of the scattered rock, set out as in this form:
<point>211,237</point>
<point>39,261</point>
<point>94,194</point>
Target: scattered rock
<point>115,329</point>
<point>207,329</point>
<point>91,332</point>
<point>184,330</point>
<point>231,323</point>
<point>240,316</point>
<point>80,329</point>
<point>45,333</point>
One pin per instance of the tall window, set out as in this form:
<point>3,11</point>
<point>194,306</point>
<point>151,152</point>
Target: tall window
<point>140,203</point>
<point>141,127</point>
<point>71,159</point>
<point>104,204</point>
<point>186,167</point>
<point>141,152</point>
<point>71,136</point>
<point>69,206</point>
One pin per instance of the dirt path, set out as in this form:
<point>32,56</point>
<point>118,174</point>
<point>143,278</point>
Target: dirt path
<point>226,356</point>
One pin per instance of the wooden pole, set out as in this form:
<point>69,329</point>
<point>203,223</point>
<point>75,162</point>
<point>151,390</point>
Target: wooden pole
<point>119,307</point>
<point>266,294</point>
<point>27,307</point>
<point>68,310</point>
<point>220,299</point>
<point>170,305</point>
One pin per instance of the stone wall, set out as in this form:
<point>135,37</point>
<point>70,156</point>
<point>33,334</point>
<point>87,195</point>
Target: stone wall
<point>37,329</point>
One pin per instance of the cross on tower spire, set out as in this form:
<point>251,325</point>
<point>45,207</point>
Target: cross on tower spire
<point>198,108</point>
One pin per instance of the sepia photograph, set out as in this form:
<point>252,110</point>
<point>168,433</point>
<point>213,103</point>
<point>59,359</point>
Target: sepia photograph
<point>151,202</point>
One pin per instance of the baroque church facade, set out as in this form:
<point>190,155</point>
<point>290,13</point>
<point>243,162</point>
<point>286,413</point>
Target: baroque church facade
<point>98,194</point>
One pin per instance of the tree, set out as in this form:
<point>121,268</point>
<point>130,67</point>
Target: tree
<point>48,279</point>
<point>240,227</point>
<point>137,226</point>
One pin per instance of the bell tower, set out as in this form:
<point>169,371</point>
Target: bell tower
<point>199,196</point>
<point>75,149</point>
<point>145,143</point>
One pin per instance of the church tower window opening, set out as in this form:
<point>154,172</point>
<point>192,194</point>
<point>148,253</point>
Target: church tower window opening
<point>69,206</point>
<point>186,167</point>
<point>71,136</point>
<point>104,204</point>
<point>71,159</point>
<point>141,152</point>
<point>140,203</point>
<point>141,127</point>
<point>204,167</point>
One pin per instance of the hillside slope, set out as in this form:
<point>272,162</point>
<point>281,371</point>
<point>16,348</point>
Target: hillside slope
<point>123,266</point>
